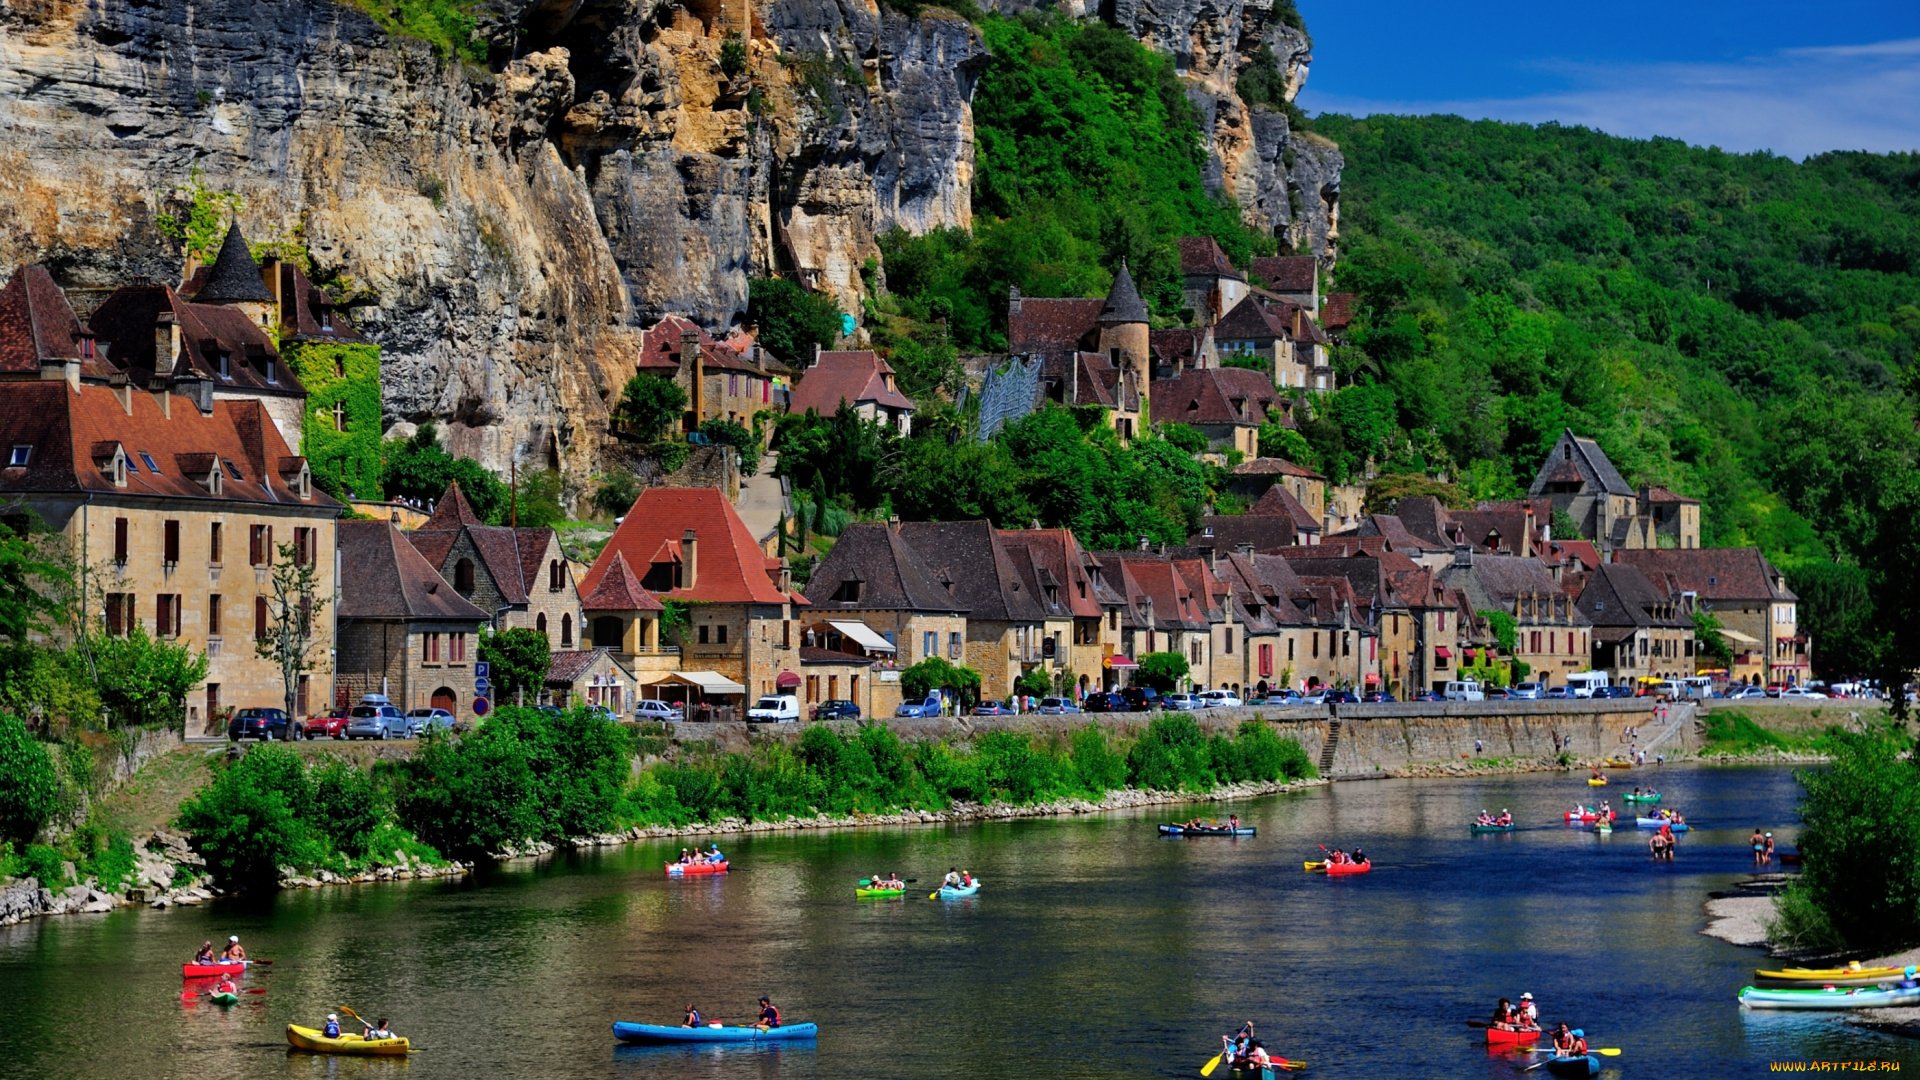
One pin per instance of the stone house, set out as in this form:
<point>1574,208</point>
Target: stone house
<point>1277,520</point>
<point>1552,636</point>
<point>160,497</point>
<point>1182,348</point>
<point>861,379</point>
<point>1227,405</point>
<point>1252,479</point>
<point>404,631</point>
<point>1005,632</point>
<point>621,616</point>
<point>590,677</point>
<point>875,578</point>
<point>1210,286</point>
<point>720,383</point>
<point>1081,627</point>
<point>1282,336</point>
<point>1739,587</point>
<point>830,675</point>
<point>1639,629</point>
<point>1087,352</point>
<point>1172,615</point>
<point>1403,605</point>
<point>519,575</point>
<point>1673,519</point>
<point>1269,627</point>
<point>1293,278</point>
<point>689,545</point>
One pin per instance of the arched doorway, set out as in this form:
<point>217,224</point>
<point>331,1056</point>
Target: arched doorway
<point>444,698</point>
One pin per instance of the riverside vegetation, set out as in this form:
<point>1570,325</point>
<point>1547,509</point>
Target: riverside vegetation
<point>1859,889</point>
<point>527,776</point>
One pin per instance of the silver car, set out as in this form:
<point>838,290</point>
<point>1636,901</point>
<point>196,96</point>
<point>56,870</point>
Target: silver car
<point>368,721</point>
<point>419,720</point>
<point>1184,702</point>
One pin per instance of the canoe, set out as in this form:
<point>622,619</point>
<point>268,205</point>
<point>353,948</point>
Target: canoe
<point>1585,1065</point>
<point>208,971</point>
<point>879,894</point>
<point>1654,823</point>
<point>224,999</point>
<point>1206,830</point>
<point>1649,797</point>
<point>1816,978</point>
<point>675,869</point>
<point>1502,1037</point>
<point>1586,815</point>
<point>960,892</point>
<point>1478,829</point>
<point>1837,998</point>
<point>312,1039</point>
<point>1616,763</point>
<point>1340,869</point>
<point>1596,781</point>
<point>658,1034</point>
<point>1280,1067</point>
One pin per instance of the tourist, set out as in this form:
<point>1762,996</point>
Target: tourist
<point>1579,1044</point>
<point>1359,856</point>
<point>693,1017</point>
<point>769,1016</point>
<point>1258,1057</point>
<point>205,955</point>
<point>1562,1040</point>
<point>1769,852</point>
<point>332,1030</point>
<point>952,880</point>
<point>1529,1015</point>
<point>225,985</point>
<point>235,953</point>
<point>376,1030</point>
<point>1657,844</point>
<point>713,854</point>
<point>1503,1015</point>
<point>966,878</point>
<point>686,857</point>
<point>1759,842</point>
<point>1233,822</point>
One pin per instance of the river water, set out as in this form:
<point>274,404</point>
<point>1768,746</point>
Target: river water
<point>1095,949</point>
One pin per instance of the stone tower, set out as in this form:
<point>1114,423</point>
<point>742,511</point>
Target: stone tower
<point>1123,331</point>
<point>235,281</point>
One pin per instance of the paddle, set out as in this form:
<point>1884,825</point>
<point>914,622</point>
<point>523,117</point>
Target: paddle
<point>1603,1051</point>
<point>1212,1064</point>
<point>1311,866</point>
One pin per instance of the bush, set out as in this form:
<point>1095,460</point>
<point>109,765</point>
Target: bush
<point>1096,764</point>
<point>520,659</point>
<point>648,405</point>
<point>249,822</point>
<point>935,673</point>
<point>1860,885</point>
<point>1171,756</point>
<point>791,320</point>
<point>1161,670</point>
<point>29,785</point>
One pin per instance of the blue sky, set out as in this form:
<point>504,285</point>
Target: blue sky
<point>1796,79</point>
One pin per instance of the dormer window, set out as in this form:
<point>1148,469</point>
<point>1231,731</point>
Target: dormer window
<point>273,371</point>
<point>20,456</point>
<point>223,364</point>
<point>86,348</point>
<point>848,592</point>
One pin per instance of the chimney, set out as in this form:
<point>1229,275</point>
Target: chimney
<point>689,560</point>
<point>816,355</point>
<point>166,341</point>
<point>893,524</point>
<point>1145,543</point>
<point>162,390</point>
<point>61,367</point>
<point>690,363</point>
<point>1245,550</point>
<point>117,382</point>
<point>1013,302</point>
<point>1462,555</point>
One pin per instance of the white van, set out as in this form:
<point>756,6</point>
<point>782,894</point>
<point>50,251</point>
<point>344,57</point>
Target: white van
<point>1468,690</point>
<point>1583,684</point>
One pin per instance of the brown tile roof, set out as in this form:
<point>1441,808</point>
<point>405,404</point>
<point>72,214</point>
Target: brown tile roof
<point>1494,581</point>
<point>1657,494</point>
<point>1579,552</point>
<point>890,573</point>
<point>985,578</point>
<point>1714,573</point>
<point>856,376</point>
<point>660,349</point>
<point>1338,311</point>
<point>453,511</point>
<point>1279,501</point>
<point>730,566</point>
<point>73,431</point>
<point>1049,325</point>
<point>36,322</point>
<point>1428,519</point>
<point>127,320</point>
<point>1202,255</point>
<point>1264,531</point>
<point>1287,273</point>
<point>1214,396</point>
<point>1180,343</point>
<point>384,577</point>
<point>1054,554</point>
<point>570,666</point>
<point>1273,466</point>
<point>307,313</point>
<point>1394,531</point>
<point>1618,594</point>
<point>619,590</point>
<point>1176,606</point>
<point>1262,317</point>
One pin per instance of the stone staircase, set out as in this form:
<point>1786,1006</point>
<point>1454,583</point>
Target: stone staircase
<point>1332,745</point>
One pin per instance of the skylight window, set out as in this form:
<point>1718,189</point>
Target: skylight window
<point>132,465</point>
<point>233,470</point>
<point>147,459</point>
<point>20,456</point>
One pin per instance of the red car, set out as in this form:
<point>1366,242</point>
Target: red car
<point>331,726</point>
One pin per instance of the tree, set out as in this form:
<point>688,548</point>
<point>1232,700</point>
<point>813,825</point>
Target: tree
<point>1161,670</point>
<point>1707,642</point>
<point>292,606</point>
<point>29,786</point>
<point>648,405</point>
<point>1280,441</point>
<point>1859,889</point>
<point>144,681</point>
<point>536,502</point>
<point>791,320</point>
<point>1384,492</point>
<point>419,468</point>
<point>1185,437</point>
<point>728,433</point>
<point>617,493</point>
<point>935,673</point>
<point>1506,631</point>
<point>30,587</point>
<point>518,660</point>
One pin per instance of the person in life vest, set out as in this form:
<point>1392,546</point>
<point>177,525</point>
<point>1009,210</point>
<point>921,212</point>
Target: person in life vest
<point>693,1017</point>
<point>1578,1048</point>
<point>769,1016</point>
<point>1503,1016</point>
<point>1528,1013</point>
<point>1562,1041</point>
<point>332,1030</point>
<point>1359,856</point>
<point>225,985</point>
<point>376,1030</point>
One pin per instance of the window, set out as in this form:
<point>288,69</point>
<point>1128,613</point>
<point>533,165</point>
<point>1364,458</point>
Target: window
<point>119,613</point>
<point>213,615</point>
<point>20,456</point>
<point>259,545</point>
<point>733,383</point>
<point>540,623</point>
<point>833,687</point>
<point>166,615</point>
<point>259,617</point>
<point>463,577</point>
<point>148,459</point>
<point>566,631</point>
<point>929,644</point>
<point>306,615</point>
<point>132,466</point>
<point>457,648</point>
<point>953,645</point>
<point>213,700</point>
<point>813,689</point>
<point>303,546</point>
<point>786,633</point>
<point>273,371</point>
<point>1442,625</point>
<point>170,542</point>
<point>1229,641</point>
<point>1289,650</point>
<point>1266,660</point>
<point>848,592</point>
<point>1534,638</point>
<point>1315,636</point>
<point>120,540</point>
<point>232,469</point>
<point>213,543</point>
<point>720,633</point>
<point>704,631</point>
<point>1346,643</point>
<point>556,576</point>
<point>222,362</point>
<point>300,698</point>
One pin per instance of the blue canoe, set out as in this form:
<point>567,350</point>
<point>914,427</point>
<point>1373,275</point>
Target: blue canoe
<point>655,1034</point>
<point>1586,1065</point>
<point>1654,823</point>
<point>948,892</point>
<point>1207,830</point>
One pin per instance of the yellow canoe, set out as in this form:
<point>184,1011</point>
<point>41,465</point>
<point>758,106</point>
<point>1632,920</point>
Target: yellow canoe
<point>305,1038</point>
<point>1597,781</point>
<point>1852,971</point>
<point>1615,763</point>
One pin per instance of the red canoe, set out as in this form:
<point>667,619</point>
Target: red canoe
<point>1498,1037</point>
<point>675,869</point>
<point>1337,869</point>
<point>205,971</point>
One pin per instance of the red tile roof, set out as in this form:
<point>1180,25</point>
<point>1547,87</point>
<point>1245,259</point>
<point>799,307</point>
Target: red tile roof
<point>730,567</point>
<point>619,590</point>
<point>36,322</point>
<point>1181,343</point>
<point>1202,255</point>
<point>126,322</point>
<point>1287,273</point>
<point>856,376</point>
<point>1058,554</point>
<point>1050,325</point>
<point>1657,494</point>
<point>1273,466</point>
<point>1713,573</point>
<point>1214,396</point>
<point>1279,501</point>
<point>660,349</point>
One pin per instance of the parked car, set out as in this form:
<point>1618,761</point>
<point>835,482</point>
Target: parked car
<point>1283,697</point>
<point>1377,697</point>
<point>991,708</point>
<point>1104,701</point>
<point>837,709</point>
<point>1465,690</point>
<point>331,726</point>
<point>1143,698</point>
<point>1528,691</point>
<point>1056,706</point>
<point>1616,692</point>
<point>1774,688</point>
<point>1220,699</point>
<point>261,723</point>
<point>1315,696</point>
<point>931,707</point>
<point>377,720</point>
<point>1559,693</point>
<point>775,709</point>
<point>1745,692</point>
<point>1183,702</point>
<point>653,709</point>
<point>601,712</point>
<point>1342,697</point>
<point>1802,693</point>
<point>1428,695</point>
<point>419,720</point>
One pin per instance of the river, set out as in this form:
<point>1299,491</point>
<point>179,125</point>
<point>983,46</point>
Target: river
<point>1096,949</point>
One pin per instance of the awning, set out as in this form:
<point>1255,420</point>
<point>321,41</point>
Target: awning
<point>786,679</point>
<point>1735,635</point>
<point>1372,677</point>
<point>1443,652</point>
<point>707,682</point>
<point>1118,662</point>
<point>864,635</point>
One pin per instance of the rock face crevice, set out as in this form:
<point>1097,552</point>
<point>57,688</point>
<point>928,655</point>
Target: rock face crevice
<point>509,228</point>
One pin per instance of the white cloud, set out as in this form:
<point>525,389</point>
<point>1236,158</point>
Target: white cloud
<point>1794,102</point>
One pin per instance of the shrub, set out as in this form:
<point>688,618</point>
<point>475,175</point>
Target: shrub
<point>1171,756</point>
<point>520,658</point>
<point>248,823</point>
<point>935,673</point>
<point>648,404</point>
<point>29,786</point>
<point>791,320</point>
<point>1096,764</point>
<point>343,807</point>
<point>1161,670</point>
<point>1860,886</point>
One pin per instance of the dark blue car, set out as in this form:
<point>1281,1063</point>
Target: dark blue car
<point>262,723</point>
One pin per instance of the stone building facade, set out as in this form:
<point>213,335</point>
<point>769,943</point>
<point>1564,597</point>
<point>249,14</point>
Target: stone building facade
<point>404,631</point>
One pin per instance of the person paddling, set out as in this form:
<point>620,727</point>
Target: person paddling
<point>375,1030</point>
<point>1503,1017</point>
<point>769,1015</point>
<point>1529,1015</point>
<point>205,955</point>
<point>952,880</point>
<point>225,985</point>
<point>693,1017</point>
<point>235,953</point>
<point>1562,1041</point>
<point>1578,1047</point>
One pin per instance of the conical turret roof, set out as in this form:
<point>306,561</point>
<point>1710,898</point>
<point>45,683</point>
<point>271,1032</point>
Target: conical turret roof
<point>235,276</point>
<point>1123,300</point>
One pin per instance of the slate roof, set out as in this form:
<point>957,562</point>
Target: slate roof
<point>1181,343</point>
<point>235,276</point>
<point>307,313</point>
<point>1123,303</point>
<point>1395,532</point>
<point>985,580</point>
<point>36,323</point>
<point>1619,595</point>
<point>730,566</point>
<point>1208,396</point>
<point>72,431</point>
<point>1657,494</point>
<point>1051,325</point>
<point>382,576</point>
<point>127,319</point>
<point>1202,255</point>
<point>1264,531</point>
<point>1263,317</point>
<point>1495,581</point>
<point>1427,519</point>
<point>1279,501</point>
<point>855,376</point>
<point>1602,469</point>
<point>453,511</point>
<point>619,589</point>
<point>1287,273</point>
<point>1714,573</point>
<point>891,574</point>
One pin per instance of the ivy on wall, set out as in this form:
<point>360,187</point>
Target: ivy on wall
<point>333,372</point>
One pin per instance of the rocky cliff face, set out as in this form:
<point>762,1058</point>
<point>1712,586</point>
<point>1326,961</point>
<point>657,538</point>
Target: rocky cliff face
<point>513,227</point>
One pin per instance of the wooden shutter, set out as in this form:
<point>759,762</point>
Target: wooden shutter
<point>170,542</point>
<point>259,616</point>
<point>119,540</point>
